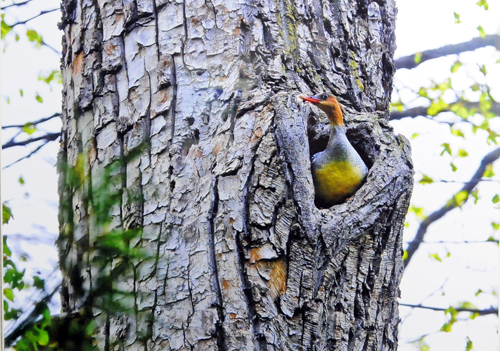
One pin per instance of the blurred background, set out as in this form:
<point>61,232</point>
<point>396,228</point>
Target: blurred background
<point>444,102</point>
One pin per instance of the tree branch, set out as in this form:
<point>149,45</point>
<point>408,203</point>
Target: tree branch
<point>47,137</point>
<point>28,155</point>
<point>32,18</point>
<point>24,325</point>
<point>34,123</point>
<point>490,310</point>
<point>476,43</point>
<point>450,205</point>
<point>422,110</point>
<point>15,4</point>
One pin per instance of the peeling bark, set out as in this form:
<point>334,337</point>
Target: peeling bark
<point>239,257</point>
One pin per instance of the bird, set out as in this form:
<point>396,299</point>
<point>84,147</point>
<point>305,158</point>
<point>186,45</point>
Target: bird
<point>338,171</point>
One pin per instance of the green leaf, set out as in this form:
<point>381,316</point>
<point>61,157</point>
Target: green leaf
<point>38,282</point>
<point>483,3</point>
<point>6,250</point>
<point>483,70</point>
<point>426,180</point>
<point>481,32</point>
<point>21,180</point>
<point>446,148</point>
<point>9,295</point>
<point>419,212</point>
<point>457,17</point>
<point>460,197</point>
<point>418,57</point>
<point>469,345</point>
<point>405,255</point>
<point>457,132</point>
<point>29,128</point>
<point>43,337</point>
<point>436,107</point>
<point>455,66</point>
<point>54,76</point>
<point>21,92</point>
<point>453,167</point>
<point>462,153</point>
<point>478,292</point>
<point>495,225</point>
<point>495,199</point>
<point>6,213</point>
<point>34,37</point>
<point>436,257</point>
<point>488,173</point>
<point>38,98</point>
<point>414,135</point>
<point>5,29</point>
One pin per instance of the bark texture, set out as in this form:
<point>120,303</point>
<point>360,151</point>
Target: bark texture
<point>239,257</point>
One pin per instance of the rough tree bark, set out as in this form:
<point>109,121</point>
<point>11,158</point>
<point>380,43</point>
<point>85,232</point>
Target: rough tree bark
<point>239,256</point>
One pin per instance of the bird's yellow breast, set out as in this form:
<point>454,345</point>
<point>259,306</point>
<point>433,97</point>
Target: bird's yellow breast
<point>336,180</point>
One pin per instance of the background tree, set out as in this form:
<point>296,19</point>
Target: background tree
<point>416,209</point>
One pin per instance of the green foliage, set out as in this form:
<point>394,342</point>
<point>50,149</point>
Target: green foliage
<point>418,211</point>
<point>483,3</point>
<point>426,180</point>
<point>436,257</point>
<point>53,77</point>
<point>462,153</point>
<point>495,199</point>
<point>460,197</point>
<point>418,57</point>
<point>481,32</point>
<point>421,345</point>
<point>446,149</point>
<point>34,37</point>
<point>38,98</point>
<point>454,68</point>
<point>452,319</point>
<point>6,29</point>
<point>488,173</point>
<point>29,128</point>
<point>457,18</point>
<point>6,213</point>
<point>468,346</point>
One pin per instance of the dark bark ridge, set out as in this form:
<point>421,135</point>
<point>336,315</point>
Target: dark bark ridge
<point>239,257</point>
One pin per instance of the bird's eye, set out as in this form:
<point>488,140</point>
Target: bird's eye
<point>325,96</point>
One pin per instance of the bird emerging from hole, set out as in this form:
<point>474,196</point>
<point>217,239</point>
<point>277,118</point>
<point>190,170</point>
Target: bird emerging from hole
<point>338,171</point>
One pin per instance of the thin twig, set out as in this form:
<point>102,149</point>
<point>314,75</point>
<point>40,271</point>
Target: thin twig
<point>27,156</point>
<point>47,137</point>
<point>34,123</point>
<point>422,110</point>
<point>32,18</point>
<point>490,310</point>
<point>51,48</point>
<point>15,4</point>
<point>450,205</point>
<point>455,242</point>
<point>471,45</point>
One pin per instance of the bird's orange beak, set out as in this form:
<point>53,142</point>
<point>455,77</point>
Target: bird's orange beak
<point>311,99</point>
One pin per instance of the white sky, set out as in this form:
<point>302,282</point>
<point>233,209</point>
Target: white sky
<point>421,25</point>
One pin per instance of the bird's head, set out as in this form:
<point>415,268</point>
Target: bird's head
<point>329,104</point>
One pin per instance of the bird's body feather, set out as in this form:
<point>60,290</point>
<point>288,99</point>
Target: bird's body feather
<point>338,171</point>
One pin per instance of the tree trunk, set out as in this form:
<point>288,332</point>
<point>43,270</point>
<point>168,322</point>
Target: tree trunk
<point>238,257</point>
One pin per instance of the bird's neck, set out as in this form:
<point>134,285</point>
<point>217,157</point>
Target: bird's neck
<point>337,134</point>
<point>335,117</point>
